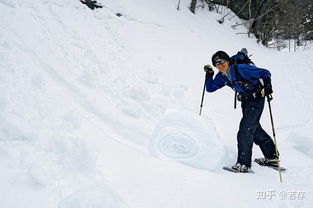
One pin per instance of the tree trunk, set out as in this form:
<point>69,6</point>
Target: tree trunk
<point>193,6</point>
<point>259,10</point>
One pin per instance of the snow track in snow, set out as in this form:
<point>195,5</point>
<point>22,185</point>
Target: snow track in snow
<point>95,197</point>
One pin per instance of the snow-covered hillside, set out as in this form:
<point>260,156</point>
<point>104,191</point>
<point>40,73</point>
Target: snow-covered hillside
<point>98,110</point>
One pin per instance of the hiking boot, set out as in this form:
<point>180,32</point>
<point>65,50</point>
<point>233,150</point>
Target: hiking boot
<point>241,168</point>
<point>267,162</point>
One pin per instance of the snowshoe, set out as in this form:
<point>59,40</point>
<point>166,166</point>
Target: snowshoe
<point>238,168</point>
<point>271,163</point>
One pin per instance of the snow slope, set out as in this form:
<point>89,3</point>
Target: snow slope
<point>102,111</point>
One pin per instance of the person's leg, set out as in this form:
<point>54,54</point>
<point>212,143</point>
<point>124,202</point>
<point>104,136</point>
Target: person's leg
<point>252,110</point>
<point>265,143</point>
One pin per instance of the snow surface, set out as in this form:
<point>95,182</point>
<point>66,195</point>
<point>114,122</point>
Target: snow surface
<point>102,111</point>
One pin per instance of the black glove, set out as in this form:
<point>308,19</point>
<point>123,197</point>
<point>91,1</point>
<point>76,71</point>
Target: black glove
<point>208,70</point>
<point>267,86</point>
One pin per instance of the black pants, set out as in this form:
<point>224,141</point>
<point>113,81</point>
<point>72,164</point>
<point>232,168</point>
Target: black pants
<point>251,131</point>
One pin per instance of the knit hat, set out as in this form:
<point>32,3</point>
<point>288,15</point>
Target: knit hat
<point>220,55</point>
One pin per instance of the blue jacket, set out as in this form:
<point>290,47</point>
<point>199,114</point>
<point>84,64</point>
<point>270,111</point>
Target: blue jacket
<point>250,73</point>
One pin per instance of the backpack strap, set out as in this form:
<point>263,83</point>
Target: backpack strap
<point>235,100</point>
<point>237,74</point>
<point>242,82</point>
<point>238,77</point>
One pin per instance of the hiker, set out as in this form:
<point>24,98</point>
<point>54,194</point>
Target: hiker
<point>246,80</point>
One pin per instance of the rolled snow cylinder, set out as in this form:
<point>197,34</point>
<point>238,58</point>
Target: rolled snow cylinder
<point>186,138</point>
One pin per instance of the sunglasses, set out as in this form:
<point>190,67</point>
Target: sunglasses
<point>219,62</point>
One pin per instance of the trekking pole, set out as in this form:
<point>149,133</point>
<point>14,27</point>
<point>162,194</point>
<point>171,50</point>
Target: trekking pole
<point>202,97</point>
<point>178,4</point>
<point>269,98</point>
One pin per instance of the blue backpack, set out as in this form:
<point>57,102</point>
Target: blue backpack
<point>241,58</point>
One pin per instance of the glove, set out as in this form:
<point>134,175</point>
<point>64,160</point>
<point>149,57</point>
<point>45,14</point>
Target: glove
<point>208,70</point>
<point>267,86</point>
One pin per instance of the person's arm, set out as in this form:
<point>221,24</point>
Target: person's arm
<point>252,72</point>
<point>248,72</point>
<point>216,83</point>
